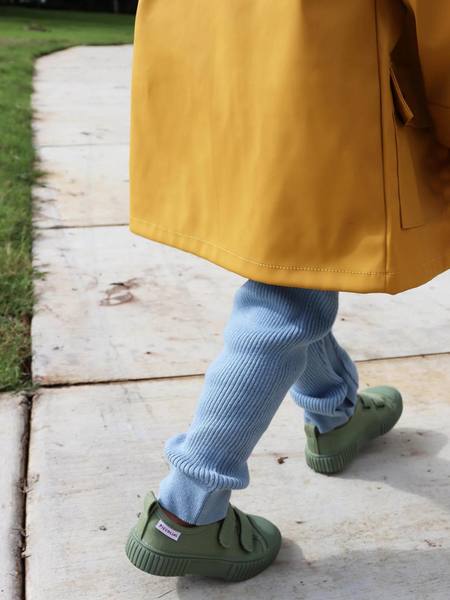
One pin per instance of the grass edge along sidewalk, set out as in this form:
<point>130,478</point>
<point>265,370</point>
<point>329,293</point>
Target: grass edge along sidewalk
<point>26,34</point>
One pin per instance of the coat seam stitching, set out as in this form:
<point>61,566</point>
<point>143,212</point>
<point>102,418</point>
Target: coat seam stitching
<point>382,141</point>
<point>193,237</point>
<point>212,136</point>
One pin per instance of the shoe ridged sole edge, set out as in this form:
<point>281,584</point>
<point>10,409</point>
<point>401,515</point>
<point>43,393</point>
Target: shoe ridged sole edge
<point>334,463</point>
<point>163,565</point>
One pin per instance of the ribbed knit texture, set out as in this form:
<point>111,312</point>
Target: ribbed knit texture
<point>277,338</point>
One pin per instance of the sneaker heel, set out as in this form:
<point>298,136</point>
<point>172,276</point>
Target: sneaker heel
<point>152,562</point>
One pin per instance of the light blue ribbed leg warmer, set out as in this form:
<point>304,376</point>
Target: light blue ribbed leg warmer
<point>277,339</point>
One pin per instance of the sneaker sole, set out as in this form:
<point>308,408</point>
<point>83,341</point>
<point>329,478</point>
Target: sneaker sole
<point>151,561</point>
<point>333,463</point>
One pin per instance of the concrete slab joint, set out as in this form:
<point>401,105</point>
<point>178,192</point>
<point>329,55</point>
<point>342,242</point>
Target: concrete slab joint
<point>14,437</point>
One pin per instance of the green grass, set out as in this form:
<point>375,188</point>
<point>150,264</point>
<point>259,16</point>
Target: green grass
<point>19,47</point>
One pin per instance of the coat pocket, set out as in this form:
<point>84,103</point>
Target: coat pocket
<point>421,160</point>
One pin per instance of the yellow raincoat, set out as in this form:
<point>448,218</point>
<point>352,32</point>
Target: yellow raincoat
<point>296,142</point>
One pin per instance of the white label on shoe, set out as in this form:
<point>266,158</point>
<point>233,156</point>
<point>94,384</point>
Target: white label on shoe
<point>174,535</point>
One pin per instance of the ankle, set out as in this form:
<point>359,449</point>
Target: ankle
<point>176,520</point>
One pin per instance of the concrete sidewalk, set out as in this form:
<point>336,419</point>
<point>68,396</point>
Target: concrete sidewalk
<point>123,333</point>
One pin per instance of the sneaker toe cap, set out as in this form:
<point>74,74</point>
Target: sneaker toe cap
<point>387,392</point>
<point>267,530</point>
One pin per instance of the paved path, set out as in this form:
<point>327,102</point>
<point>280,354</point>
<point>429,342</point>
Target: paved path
<point>123,333</point>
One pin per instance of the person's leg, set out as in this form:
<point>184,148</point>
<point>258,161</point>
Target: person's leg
<point>327,388</point>
<point>265,351</point>
<point>337,426</point>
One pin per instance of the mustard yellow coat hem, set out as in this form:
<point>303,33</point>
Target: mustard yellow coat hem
<point>299,276</point>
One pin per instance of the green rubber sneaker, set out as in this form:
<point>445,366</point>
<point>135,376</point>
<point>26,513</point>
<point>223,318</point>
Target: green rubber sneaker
<point>238,547</point>
<point>377,410</point>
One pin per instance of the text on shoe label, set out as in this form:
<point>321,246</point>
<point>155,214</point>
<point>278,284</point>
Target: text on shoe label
<point>174,535</point>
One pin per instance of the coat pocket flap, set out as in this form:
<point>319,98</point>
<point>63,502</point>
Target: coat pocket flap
<point>406,100</point>
<point>401,105</point>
